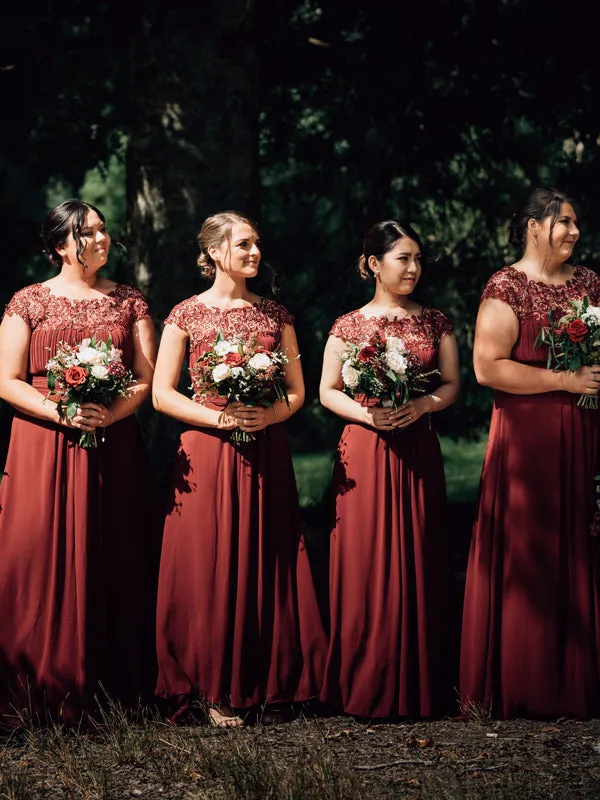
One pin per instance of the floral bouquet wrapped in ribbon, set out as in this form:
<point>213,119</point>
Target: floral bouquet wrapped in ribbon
<point>382,371</point>
<point>242,370</point>
<point>91,372</point>
<point>574,341</point>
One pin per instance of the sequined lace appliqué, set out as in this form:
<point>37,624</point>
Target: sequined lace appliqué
<point>202,323</point>
<point>43,310</point>
<point>418,332</point>
<point>535,298</point>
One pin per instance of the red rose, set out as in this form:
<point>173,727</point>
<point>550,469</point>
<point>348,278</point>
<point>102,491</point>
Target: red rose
<point>234,359</point>
<point>367,353</point>
<point>577,330</point>
<point>263,343</point>
<point>75,376</point>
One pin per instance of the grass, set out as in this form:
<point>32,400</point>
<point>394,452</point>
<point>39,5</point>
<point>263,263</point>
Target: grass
<point>462,461</point>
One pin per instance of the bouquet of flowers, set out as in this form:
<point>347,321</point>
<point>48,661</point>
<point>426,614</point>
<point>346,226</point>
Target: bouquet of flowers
<point>383,371</point>
<point>90,372</point>
<point>243,370</point>
<point>574,341</point>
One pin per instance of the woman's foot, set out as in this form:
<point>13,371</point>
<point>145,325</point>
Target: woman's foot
<point>223,716</point>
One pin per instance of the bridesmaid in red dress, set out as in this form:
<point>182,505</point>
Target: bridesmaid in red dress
<point>238,623</point>
<point>76,595</point>
<point>531,624</point>
<point>388,550</point>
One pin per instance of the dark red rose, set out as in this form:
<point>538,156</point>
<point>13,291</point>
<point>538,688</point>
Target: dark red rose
<point>75,376</point>
<point>263,343</point>
<point>577,330</point>
<point>234,359</point>
<point>367,354</point>
<point>117,370</point>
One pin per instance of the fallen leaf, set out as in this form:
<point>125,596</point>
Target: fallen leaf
<point>550,729</point>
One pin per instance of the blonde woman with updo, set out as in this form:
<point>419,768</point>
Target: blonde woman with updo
<point>238,621</point>
<point>388,565</point>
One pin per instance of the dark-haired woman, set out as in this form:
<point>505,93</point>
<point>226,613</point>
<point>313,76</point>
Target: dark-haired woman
<point>238,623</point>
<point>388,551</point>
<point>531,626</point>
<point>75,584</point>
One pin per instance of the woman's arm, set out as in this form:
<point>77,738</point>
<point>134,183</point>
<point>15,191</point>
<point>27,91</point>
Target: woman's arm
<point>496,333</point>
<point>144,358</point>
<point>165,395</point>
<point>254,418</point>
<point>446,393</point>
<point>333,398</point>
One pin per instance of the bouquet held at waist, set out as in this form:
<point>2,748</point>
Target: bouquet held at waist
<point>242,370</point>
<point>574,341</point>
<point>383,372</point>
<point>90,372</point>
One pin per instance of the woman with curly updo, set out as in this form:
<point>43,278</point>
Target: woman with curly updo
<point>76,588</point>
<point>388,552</point>
<point>238,624</point>
<point>531,624</point>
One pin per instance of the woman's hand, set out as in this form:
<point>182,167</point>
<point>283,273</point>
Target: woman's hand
<point>250,419</point>
<point>382,419</point>
<point>585,381</point>
<point>89,416</point>
<point>410,412</point>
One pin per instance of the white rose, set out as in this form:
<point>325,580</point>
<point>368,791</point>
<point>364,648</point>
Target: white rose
<point>88,355</point>
<point>223,347</point>
<point>592,315</point>
<point>396,362</point>
<point>260,361</point>
<point>114,354</point>
<point>349,375</point>
<point>99,371</point>
<point>233,348</point>
<point>236,372</point>
<point>395,343</point>
<point>220,372</point>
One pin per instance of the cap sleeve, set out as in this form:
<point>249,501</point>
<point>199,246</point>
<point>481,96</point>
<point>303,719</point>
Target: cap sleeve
<point>27,305</point>
<point>592,283</point>
<point>442,324</point>
<point>505,285</point>
<point>178,316</point>
<point>277,311</point>
<point>141,309</point>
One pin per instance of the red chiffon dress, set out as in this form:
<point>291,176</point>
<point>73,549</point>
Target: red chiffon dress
<point>388,559</point>
<point>76,581</point>
<point>531,623</point>
<point>238,620</point>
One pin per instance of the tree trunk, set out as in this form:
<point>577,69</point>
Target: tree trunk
<point>193,135</point>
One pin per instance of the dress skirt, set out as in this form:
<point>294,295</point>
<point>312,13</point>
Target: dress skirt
<point>387,654</point>
<point>237,619</point>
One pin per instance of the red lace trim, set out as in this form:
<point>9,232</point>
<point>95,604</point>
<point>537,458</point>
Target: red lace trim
<point>202,323</point>
<point>43,310</point>
<point>420,331</point>
<point>527,297</point>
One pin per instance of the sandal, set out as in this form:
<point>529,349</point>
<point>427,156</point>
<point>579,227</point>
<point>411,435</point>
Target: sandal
<point>222,716</point>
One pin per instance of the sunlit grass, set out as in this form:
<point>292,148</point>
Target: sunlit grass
<point>462,462</point>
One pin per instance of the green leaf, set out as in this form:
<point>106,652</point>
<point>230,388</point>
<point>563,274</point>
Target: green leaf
<point>72,410</point>
<point>574,363</point>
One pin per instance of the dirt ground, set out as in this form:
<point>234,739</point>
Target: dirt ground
<point>319,757</point>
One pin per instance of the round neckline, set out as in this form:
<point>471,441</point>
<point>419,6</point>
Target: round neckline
<point>564,285</point>
<point>102,299</point>
<point>255,304</point>
<point>384,317</point>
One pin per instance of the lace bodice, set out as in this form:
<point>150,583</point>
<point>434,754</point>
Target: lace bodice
<point>202,323</point>
<point>53,318</point>
<point>43,310</point>
<point>533,300</point>
<point>421,334</point>
<point>527,297</point>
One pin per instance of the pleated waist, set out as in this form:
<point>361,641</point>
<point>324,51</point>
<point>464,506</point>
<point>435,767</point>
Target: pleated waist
<point>40,382</point>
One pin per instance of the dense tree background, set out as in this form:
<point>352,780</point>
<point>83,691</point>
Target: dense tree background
<point>316,118</point>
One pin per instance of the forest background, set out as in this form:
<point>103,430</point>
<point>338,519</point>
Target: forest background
<point>316,119</point>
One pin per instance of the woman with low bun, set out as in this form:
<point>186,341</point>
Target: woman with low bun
<point>531,624</point>
<point>77,588</point>
<point>389,567</point>
<point>238,624</point>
